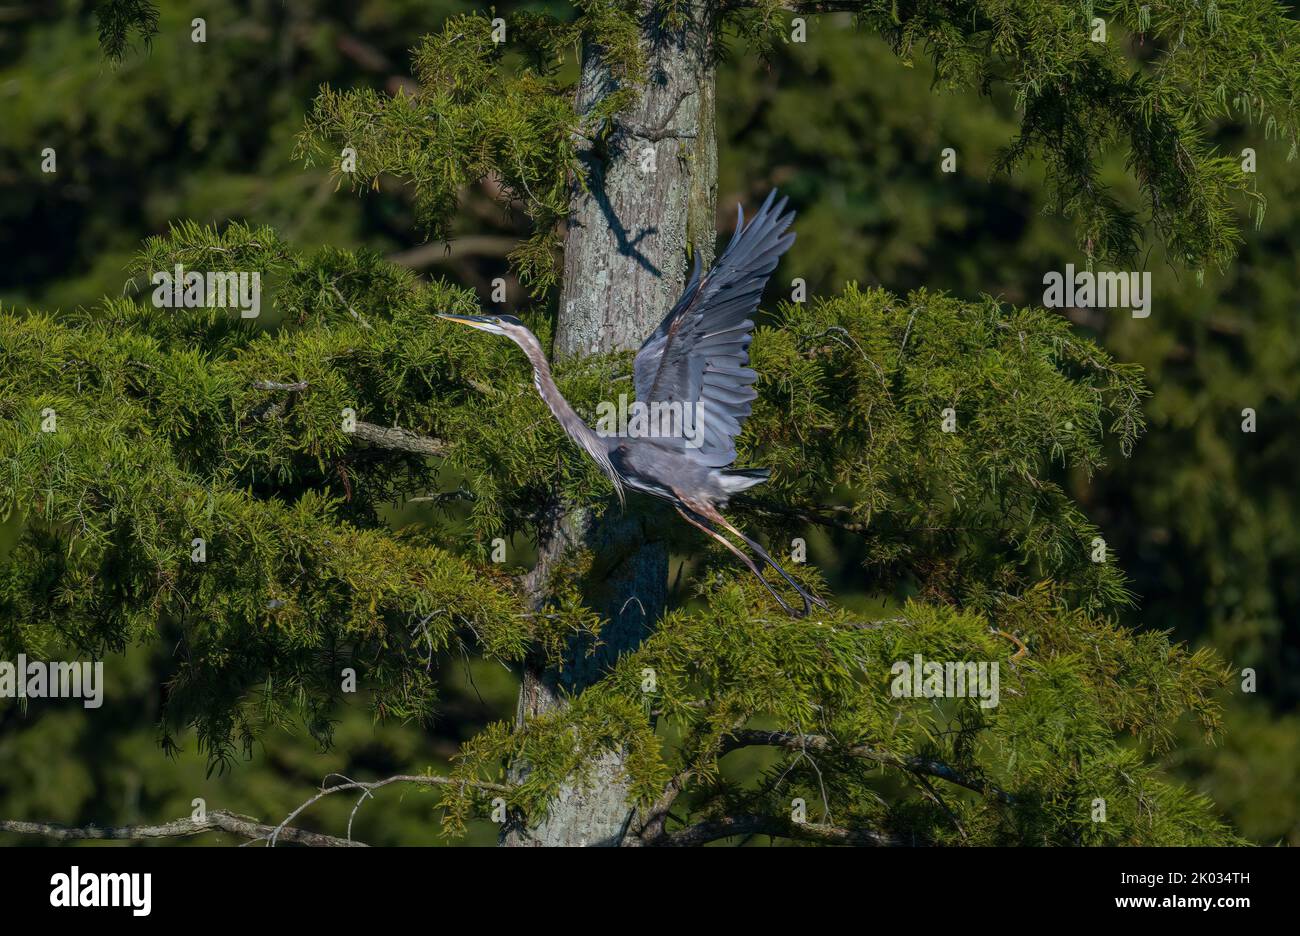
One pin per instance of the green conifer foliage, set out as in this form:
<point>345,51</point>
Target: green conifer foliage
<point>930,431</point>
<point>176,424</point>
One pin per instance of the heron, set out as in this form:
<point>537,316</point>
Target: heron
<point>698,357</point>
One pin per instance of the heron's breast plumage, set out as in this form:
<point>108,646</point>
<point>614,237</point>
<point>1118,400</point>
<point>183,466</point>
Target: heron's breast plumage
<point>668,472</point>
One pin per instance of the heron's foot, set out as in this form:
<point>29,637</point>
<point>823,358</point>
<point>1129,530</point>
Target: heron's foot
<point>1015,640</point>
<point>809,599</point>
<point>788,608</point>
<point>808,602</point>
<point>782,602</point>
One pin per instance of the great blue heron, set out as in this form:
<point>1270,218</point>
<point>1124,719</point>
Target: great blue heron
<point>696,358</point>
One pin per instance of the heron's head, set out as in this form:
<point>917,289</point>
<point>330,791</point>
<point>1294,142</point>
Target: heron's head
<point>506,325</point>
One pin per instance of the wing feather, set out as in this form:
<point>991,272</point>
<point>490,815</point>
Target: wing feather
<point>699,354</point>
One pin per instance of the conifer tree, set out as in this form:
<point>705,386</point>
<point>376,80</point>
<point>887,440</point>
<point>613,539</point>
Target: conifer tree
<point>183,475</point>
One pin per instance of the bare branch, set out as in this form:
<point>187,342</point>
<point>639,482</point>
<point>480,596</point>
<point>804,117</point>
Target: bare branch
<point>216,821</point>
<point>386,437</point>
<point>351,311</point>
<point>804,6</point>
<point>417,258</point>
<point>655,134</point>
<point>824,6</point>
<point>652,823</point>
<point>662,130</point>
<point>296,387</point>
<point>369,786</point>
<point>243,826</point>
<point>820,743</point>
<point>402,440</point>
<point>824,517</point>
<point>713,829</point>
<point>828,515</point>
<point>461,493</point>
<point>654,818</point>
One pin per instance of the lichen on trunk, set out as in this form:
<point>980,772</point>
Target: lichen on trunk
<point>648,202</point>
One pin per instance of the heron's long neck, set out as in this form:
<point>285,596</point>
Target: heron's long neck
<point>572,423</point>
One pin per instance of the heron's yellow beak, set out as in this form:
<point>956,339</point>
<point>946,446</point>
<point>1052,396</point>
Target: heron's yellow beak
<point>473,321</point>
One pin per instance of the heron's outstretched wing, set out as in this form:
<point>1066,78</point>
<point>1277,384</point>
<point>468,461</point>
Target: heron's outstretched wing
<point>700,352</point>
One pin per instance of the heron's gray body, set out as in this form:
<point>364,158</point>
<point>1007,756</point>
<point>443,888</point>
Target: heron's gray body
<point>698,357</point>
<point>642,463</point>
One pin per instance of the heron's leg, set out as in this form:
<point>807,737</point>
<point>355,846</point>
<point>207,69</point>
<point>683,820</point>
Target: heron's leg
<point>808,599</point>
<point>701,524</point>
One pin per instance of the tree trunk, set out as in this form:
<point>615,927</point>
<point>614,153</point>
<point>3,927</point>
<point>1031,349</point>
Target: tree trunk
<point>651,192</point>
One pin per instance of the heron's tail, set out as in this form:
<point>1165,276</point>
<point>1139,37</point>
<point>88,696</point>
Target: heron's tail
<point>742,479</point>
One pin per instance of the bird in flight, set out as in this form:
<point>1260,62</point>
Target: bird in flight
<point>697,358</point>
